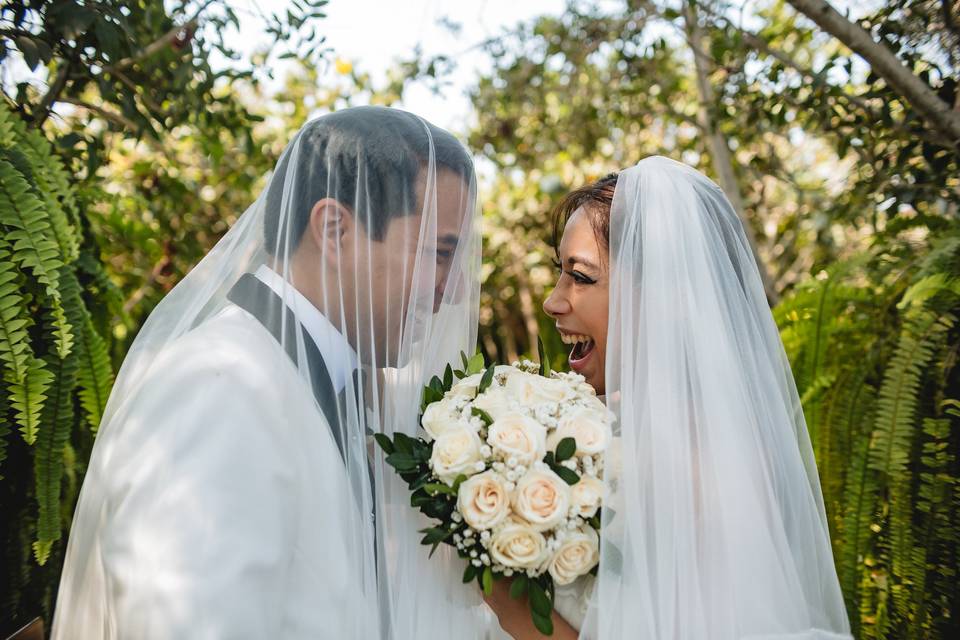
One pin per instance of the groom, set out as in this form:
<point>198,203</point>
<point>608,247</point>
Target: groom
<point>229,494</point>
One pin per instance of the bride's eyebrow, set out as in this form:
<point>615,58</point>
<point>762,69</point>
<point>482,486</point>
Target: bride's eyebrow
<point>573,261</point>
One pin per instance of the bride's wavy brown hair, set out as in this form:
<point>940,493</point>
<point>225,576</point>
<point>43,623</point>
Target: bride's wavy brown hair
<point>596,198</point>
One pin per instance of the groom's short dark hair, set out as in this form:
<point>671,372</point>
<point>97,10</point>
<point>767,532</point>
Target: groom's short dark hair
<point>366,158</point>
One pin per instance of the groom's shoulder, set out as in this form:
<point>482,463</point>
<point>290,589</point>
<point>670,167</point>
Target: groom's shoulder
<point>230,345</point>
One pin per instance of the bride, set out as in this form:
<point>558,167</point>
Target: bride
<point>713,526</point>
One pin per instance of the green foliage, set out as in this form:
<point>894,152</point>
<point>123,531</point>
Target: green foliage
<point>49,352</point>
<point>881,329</point>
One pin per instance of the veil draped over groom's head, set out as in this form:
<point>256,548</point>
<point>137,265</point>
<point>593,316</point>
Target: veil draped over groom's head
<point>368,230</point>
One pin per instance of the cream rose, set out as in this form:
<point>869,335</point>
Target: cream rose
<point>541,498</point>
<point>495,401</point>
<point>467,387</point>
<point>483,501</point>
<point>454,452</point>
<point>518,436</point>
<point>532,389</point>
<point>519,546</point>
<point>440,417</point>
<point>588,427</point>
<point>586,495</point>
<point>577,554</point>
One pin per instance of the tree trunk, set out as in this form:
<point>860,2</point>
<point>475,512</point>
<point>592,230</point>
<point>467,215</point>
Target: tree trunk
<point>717,144</point>
<point>939,114</point>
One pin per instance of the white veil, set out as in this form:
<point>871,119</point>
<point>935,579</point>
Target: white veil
<point>391,263</point>
<point>714,528</point>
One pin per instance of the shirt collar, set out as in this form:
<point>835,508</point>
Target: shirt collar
<point>337,354</point>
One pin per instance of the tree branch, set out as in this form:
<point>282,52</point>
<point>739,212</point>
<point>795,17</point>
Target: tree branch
<point>720,150</point>
<point>53,92</point>
<point>160,43</point>
<point>104,113</point>
<point>885,64</point>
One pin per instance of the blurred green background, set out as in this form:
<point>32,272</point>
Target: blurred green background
<point>132,135</point>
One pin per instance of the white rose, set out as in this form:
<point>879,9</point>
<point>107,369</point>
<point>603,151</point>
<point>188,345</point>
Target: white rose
<point>440,417</point>
<point>541,498</point>
<point>494,401</point>
<point>595,403</point>
<point>517,545</point>
<point>533,389</point>
<point>454,452</point>
<point>588,427</point>
<point>516,435</point>
<point>577,555</point>
<point>586,496</point>
<point>483,501</point>
<point>467,387</point>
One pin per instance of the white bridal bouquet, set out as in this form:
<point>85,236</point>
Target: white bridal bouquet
<point>510,465</point>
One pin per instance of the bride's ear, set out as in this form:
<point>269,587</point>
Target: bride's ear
<point>330,222</point>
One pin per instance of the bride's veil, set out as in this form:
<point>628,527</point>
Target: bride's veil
<point>402,180</point>
<point>714,528</point>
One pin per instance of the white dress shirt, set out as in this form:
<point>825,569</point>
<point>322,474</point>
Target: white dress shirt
<point>338,356</point>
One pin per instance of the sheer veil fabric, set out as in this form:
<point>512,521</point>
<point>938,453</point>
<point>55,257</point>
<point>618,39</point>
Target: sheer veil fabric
<point>714,528</point>
<point>234,489</point>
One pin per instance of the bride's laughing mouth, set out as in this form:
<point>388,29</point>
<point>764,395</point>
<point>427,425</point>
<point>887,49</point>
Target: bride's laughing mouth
<point>583,348</point>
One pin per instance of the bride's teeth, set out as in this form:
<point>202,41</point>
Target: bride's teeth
<point>574,338</point>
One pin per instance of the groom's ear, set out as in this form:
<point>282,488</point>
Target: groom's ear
<point>330,222</point>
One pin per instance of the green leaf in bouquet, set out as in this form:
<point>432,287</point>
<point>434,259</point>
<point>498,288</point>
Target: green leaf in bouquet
<point>487,379</point>
<point>549,459</point>
<point>420,498</point>
<point>483,415</point>
<point>437,385</point>
<point>488,580</point>
<point>447,378</point>
<point>385,442</point>
<point>595,521</point>
<point>403,443</point>
<point>519,586</point>
<point>402,462</point>
<point>569,475</point>
<point>421,480</point>
<point>565,449</point>
<point>460,479</point>
<point>469,573</point>
<point>544,359</point>
<point>543,624</point>
<point>438,487</point>
<point>475,364</point>
<point>539,600</point>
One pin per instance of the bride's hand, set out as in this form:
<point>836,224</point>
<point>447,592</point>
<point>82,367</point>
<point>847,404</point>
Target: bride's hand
<point>514,615</point>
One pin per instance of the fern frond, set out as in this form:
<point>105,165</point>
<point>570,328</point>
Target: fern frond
<point>95,376</point>
<point>897,402</point>
<point>5,431</point>
<point>28,229</point>
<point>52,185</point>
<point>15,351</point>
<point>7,122</point>
<point>57,419</point>
<point>27,398</point>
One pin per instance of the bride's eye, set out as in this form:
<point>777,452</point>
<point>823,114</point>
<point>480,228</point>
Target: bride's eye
<point>580,278</point>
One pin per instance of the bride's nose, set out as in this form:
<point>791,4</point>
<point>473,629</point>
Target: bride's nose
<point>556,304</point>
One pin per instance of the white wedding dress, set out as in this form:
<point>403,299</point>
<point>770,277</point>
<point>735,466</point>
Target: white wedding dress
<point>713,524</point>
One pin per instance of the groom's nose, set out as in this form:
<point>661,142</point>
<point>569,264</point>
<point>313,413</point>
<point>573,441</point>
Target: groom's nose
<point>453,285</point>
